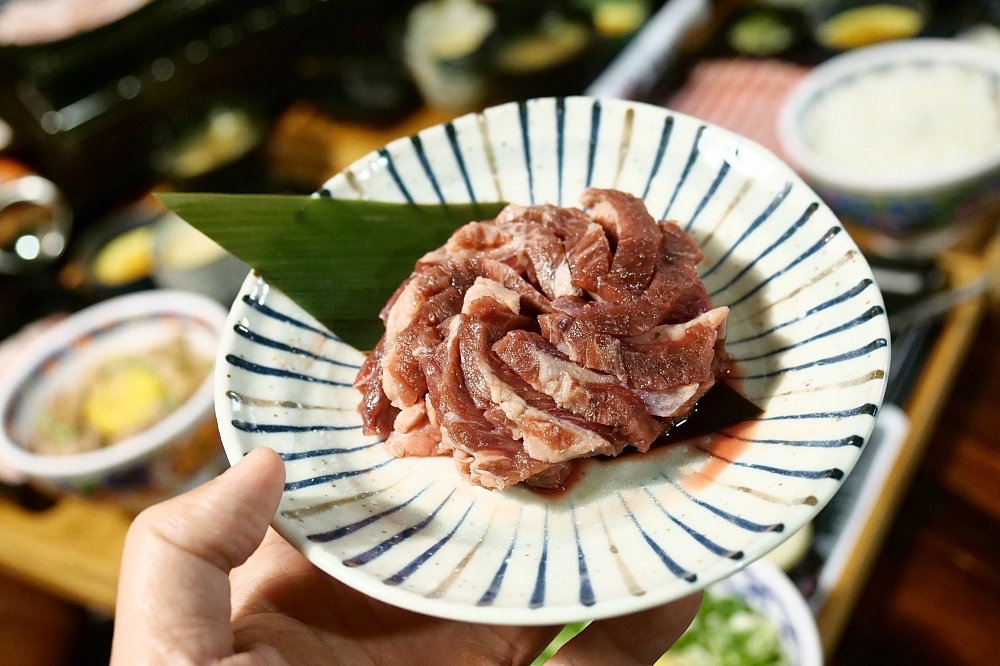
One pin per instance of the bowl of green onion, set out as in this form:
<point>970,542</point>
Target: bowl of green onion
<point>756,617</point>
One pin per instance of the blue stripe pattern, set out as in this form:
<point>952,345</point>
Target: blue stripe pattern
<point>668,126</point>
<point>866,316</point>
<point>418,148</point>
<point>302,455</point>
<point>586,589</point>
<point>712,547</point>
<point>449,130</point>
<point>387,159</point>
<point>255,338</point>
<point>393,541</point>
<point>831,360</point>
<point>867,409</point>
<point>832,473</point>
<point>400,576</point>
<point>560,143</point>
<point>842,298</point>
<point>490,595</point>
<point>274,314</point>
<point>853,440</point>
<point>668,562</point>
<point>812,208</point>
<point>692,158</point>
<point>771,207</point>
<point>257,369</point>
<point>743,523</point>
<point>273,428</point>
<point>326,478</point>
<point>595,126</point>
<point>538,595</point>
<point>341,532</point>
<point>820,244</point>
<point>708,195</point>
<point>522,109</point>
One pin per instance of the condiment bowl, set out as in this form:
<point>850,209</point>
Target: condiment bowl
<point>767,590</point>
<point>168,457</point>
<point>915,211</point>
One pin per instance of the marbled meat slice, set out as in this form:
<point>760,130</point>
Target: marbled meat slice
<point>377,413</point>
<point>402,370</point>
<point>636,239</point>
<point>484,453</point>
<point>484,240</point>
<point>597,397</point>
<point>431,296</point>
<point>666,358</point>
<point>568,224</point>
<point>589,259</point>
<point>413,434</point>
<point>675,275</point>
<point>547,264</point>
<point>549,433</point>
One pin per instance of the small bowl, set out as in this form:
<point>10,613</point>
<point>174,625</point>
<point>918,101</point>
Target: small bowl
<point>919,212</point>
<point>770,592</point>
<point>174,454</point>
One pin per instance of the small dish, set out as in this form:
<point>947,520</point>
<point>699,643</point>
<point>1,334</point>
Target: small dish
<point>902,140</point>
<point>769,592</point>
<point>172,455</point>
<point>807,330</point>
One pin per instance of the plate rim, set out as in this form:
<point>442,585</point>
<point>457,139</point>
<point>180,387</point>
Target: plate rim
<point>545,615</point>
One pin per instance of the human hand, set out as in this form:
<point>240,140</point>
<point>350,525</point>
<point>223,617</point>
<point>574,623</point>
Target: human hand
<point>205,581</point>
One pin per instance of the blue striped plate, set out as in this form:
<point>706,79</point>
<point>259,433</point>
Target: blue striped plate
<point>806,326</point>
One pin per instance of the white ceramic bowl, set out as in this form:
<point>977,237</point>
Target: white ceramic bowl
<point>168,457</point>
<point>770,592</point>
<point>806,328</point>
<point>907,205</point>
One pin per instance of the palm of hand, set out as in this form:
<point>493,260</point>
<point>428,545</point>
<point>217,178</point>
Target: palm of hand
<point>283,604</point>
<point>205,581</point>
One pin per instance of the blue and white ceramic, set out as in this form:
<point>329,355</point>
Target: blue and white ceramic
<point>769,592</point>
<point>172,455</point>
<point>919,214</point>
<point>807,330</point>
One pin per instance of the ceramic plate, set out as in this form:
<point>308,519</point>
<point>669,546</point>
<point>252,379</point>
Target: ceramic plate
<point>806,328</point>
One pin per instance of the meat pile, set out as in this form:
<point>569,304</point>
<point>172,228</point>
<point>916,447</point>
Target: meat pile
<point>542,337</point>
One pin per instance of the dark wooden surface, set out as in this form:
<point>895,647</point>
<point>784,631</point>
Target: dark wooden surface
<point>934,595</point>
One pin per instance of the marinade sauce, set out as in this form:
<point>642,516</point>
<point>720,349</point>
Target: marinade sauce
<point>721,407</point>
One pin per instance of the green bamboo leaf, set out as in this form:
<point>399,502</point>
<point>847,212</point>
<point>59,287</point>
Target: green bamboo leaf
<point>340,260</point>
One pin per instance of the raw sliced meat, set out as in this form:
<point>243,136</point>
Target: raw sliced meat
<point>636,239</point>
<point>485,454</point>
<point>594,396</point>
<point>542,337</point>
<point>377,412</point>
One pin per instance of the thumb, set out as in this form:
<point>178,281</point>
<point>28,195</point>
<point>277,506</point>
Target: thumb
<point>173,589</point>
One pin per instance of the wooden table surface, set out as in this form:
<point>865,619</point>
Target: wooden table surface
<point>934,593</point>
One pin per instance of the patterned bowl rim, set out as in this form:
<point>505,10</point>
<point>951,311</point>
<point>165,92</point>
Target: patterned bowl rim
<point>799,618</point>
<point>63,338</point>
<point>842,70</point>
<point>545,615</point>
